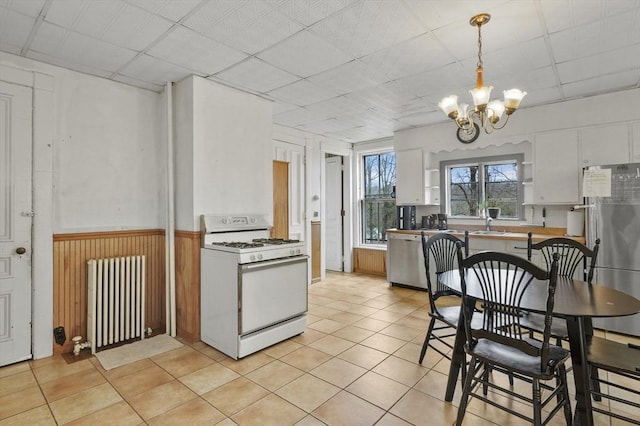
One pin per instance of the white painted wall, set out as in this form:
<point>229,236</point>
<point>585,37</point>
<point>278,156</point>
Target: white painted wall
<point>230,150</point>
<point>108,159</point>
<point>98,165</point>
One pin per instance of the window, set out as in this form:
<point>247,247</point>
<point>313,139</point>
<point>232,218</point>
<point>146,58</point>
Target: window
<point>473,185</point>
<point>378,202</point>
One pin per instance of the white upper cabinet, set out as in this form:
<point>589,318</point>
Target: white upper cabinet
<point>556,178</point>
<point>604,145</point>
<point>416,182</point>
<point>410,177</point>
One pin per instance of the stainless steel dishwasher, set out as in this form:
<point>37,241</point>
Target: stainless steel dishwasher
<point>405,263</point>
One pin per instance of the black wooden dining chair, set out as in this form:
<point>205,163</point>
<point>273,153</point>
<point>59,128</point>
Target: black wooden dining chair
<point>439,253</point>
<point>499,345</point>
<point>572,255</point>
<point>622,363</point>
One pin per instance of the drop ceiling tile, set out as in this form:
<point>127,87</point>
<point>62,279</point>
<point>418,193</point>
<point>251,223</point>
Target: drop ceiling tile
<point>308,12</point>
<point>602,84</point>
<point>619,60</point>
<point>566,14</point>
<point>422,118</point>
<point>349,77</point>
<point>113,21</point>
<point>542,97</point>
<point>256,75</point>
<point>280,107</point>
<point>14,30</point>
<point>530,54</point>
<point>30,8</point>
<point>410,57</point>
<point>65,63</point>
<point>73,49</point>
<point>324,126</point>
<point>439,82</point>
<point>190,50</point>
<point>436,14</point>
<point>170,9</point>
<point>250,26</point>
<point>301,93</point>
<point>337,107</point>
<point>138,83</point>
<point>358,134</point>
<point>369,26</point>
<point>304,54</point>
<point>294,118</point>
<point>152,70</point>
<point>583,41</point>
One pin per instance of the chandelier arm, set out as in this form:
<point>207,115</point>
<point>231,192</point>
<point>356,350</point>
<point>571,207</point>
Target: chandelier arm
<point>503,124</point>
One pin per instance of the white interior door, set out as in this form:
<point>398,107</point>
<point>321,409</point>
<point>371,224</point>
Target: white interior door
<point>15,223</point>
<point>333,213</point>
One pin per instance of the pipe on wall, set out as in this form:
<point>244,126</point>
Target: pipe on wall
<point>170,254</point>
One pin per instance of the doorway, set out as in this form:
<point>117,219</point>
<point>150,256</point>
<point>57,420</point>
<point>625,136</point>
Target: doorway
<point>334,213</point>
<point>15,223</point>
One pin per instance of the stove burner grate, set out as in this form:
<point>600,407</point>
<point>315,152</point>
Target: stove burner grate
<point>237,244</point>
<point>275,241</point>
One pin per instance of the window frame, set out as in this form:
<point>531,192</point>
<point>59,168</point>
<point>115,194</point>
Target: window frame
<point>481,162</point>
<point>362,199</point>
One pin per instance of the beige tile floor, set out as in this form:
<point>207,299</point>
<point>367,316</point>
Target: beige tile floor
<point>355,365</point>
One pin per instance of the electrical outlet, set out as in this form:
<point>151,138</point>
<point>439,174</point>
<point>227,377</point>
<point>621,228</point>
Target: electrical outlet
<point>59,335</point>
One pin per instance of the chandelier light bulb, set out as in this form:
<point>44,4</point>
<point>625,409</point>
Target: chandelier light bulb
<point>481,96</point>
<point>495,109</point>
<point>450,106</point>
<point>512,99</point>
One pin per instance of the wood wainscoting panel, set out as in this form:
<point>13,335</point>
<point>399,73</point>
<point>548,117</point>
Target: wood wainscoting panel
<point>70,255</point>
<point>280,227</point>
<point>370,261</point>
<point>316,245</point>
<point>187,245</point>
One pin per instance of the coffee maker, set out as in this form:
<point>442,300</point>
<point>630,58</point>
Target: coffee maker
<point>442,221</point>
<point>406,217</point>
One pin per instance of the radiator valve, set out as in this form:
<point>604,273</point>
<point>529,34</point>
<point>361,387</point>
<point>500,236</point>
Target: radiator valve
<point>77,346</point>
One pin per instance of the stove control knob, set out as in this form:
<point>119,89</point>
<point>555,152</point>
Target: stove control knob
<point>298,251</point>
<point>252,257</point>
<point>259,257</point>
<point>292,251</point>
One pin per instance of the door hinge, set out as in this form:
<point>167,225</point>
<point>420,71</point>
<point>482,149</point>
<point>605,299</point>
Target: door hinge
<point>343,213</point>
<point>27,214</point>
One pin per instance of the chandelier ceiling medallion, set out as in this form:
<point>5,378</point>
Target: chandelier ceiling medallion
<point>486,113</point>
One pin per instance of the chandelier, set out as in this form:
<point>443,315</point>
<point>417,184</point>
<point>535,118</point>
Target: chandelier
<point>486,113</point>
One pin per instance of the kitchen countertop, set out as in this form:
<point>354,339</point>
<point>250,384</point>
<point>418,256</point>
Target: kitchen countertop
<point>516,233</point>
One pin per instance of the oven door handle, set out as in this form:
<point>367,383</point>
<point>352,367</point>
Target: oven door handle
<point>271,263</point>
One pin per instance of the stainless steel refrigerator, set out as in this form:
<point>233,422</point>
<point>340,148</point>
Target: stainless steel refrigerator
<point>613,215</point>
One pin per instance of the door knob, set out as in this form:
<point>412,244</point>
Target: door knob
<point>21,250</point>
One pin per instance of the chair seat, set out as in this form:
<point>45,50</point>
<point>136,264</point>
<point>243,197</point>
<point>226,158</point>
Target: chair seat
<point>450,315</point>
<point>535,322</point>
<point>515,360</point>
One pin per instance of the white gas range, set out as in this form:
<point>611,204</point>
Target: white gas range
<point>253,288</point>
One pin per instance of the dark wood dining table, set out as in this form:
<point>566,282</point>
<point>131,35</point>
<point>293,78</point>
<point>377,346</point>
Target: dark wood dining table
<point>575,300</point>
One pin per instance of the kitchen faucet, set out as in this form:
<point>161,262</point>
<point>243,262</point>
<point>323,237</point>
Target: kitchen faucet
<point>487,223</point>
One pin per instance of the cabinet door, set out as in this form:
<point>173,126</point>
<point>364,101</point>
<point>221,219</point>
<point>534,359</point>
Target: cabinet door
<point>479,244</point>
<point>604,145</point>
<point>410,177</point>
<point>635,143</point>
<point>556,171</point>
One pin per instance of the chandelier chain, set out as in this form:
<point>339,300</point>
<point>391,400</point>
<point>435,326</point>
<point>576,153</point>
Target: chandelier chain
<point>479,46</point>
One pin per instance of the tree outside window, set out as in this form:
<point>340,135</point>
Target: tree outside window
<point>476,186</point>
<point>378,203</point>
